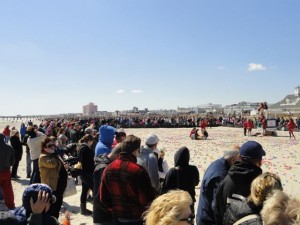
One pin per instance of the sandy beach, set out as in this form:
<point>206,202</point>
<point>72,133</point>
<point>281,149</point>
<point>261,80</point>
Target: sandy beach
<point>283,158</point>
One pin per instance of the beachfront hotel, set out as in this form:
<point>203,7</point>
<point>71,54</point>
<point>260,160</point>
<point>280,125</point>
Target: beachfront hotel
<point>290,103</point>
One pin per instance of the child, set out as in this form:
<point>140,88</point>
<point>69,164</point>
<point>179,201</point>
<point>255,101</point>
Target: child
<point>250,126</point>
<point>291,126</point>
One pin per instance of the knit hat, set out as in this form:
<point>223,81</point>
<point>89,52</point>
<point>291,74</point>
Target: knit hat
<point>32,192</point>
<point>88,130</point>
<point>151,139</point>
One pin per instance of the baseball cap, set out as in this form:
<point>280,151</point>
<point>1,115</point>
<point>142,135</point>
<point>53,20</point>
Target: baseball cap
<point>252,150</point>
<point>151,139</point>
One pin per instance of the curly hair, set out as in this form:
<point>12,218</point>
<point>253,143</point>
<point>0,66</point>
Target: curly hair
<point>167,208</point>
<point>262,186</point>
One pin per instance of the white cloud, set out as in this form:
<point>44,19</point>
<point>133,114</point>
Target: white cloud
<point>136,91</point>
<point>256,67</point>
<point>220,68</point>
<point>120,91</point>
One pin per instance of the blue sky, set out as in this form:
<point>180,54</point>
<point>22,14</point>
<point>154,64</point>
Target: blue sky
<point>56,56</point>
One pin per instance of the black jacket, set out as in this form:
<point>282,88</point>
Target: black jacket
<point>17,145</point>
<point>183,176</point>
<point>86,157</point>
<point>238,181</point>
<point>238,210</point>
<point>100,214</point>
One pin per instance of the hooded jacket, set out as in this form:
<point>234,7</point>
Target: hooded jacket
<point>7,154</point>
<point>238,181</point>
<point>183,176</point>
<point>148,160</point>
<point>106,137</point>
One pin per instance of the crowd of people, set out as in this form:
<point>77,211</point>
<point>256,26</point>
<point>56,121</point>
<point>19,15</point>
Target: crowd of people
<point>131,182</point>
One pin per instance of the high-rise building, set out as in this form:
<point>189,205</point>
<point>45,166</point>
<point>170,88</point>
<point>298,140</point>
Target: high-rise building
<point>89,109</point>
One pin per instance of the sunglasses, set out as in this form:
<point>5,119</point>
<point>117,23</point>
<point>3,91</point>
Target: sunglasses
<point>189,220</point>
<point>50,145</point>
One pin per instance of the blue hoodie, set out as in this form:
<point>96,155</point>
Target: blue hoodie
<point>106,137</point>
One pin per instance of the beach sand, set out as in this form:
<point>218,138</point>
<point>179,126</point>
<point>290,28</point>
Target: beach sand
<point>283,158</point>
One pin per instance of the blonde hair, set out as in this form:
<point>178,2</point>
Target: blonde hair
<point>293,211</point>
<point>262,186</point>
<point>162,152</point>
<point>167,208</point>
<point>280,209</point>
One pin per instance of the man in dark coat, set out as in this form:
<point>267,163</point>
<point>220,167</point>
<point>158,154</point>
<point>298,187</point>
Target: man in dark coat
<point>100,214</point>
<point>18,149</point>
<point>239,178</point>
<point>214,174</point>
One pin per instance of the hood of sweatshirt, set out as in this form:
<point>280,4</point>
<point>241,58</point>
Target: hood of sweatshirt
<point>243,170</point>
<point>106,135</point>
<point>182,157</point>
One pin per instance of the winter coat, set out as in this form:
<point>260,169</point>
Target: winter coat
<point>35,145</point>
<point>214,174</point>
<point>238,181</point>
<point>238,210</point>
<point>17,145</point>
<point>100,213</point>
<point>86,157</point>
<point>49,165</point>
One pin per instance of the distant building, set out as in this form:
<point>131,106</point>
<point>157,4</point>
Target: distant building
<point>291,103</point>
<point>189,110</point>
<point>210,107</point>
<point>241,108</point>
<point>89,109</point>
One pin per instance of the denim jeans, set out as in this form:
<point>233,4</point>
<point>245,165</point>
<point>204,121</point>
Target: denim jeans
<point>28,164</point>
<point>35,177</point>
<point>7,138</point>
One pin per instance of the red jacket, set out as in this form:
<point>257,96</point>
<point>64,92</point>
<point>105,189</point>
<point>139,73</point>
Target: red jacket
<point>250,125</point>
<point>245,124</point>
<point>126,188</point>
<point>291,125</point>
<point>6,131</point>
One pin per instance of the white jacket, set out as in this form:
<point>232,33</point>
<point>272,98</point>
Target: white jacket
<point>35,145</point>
